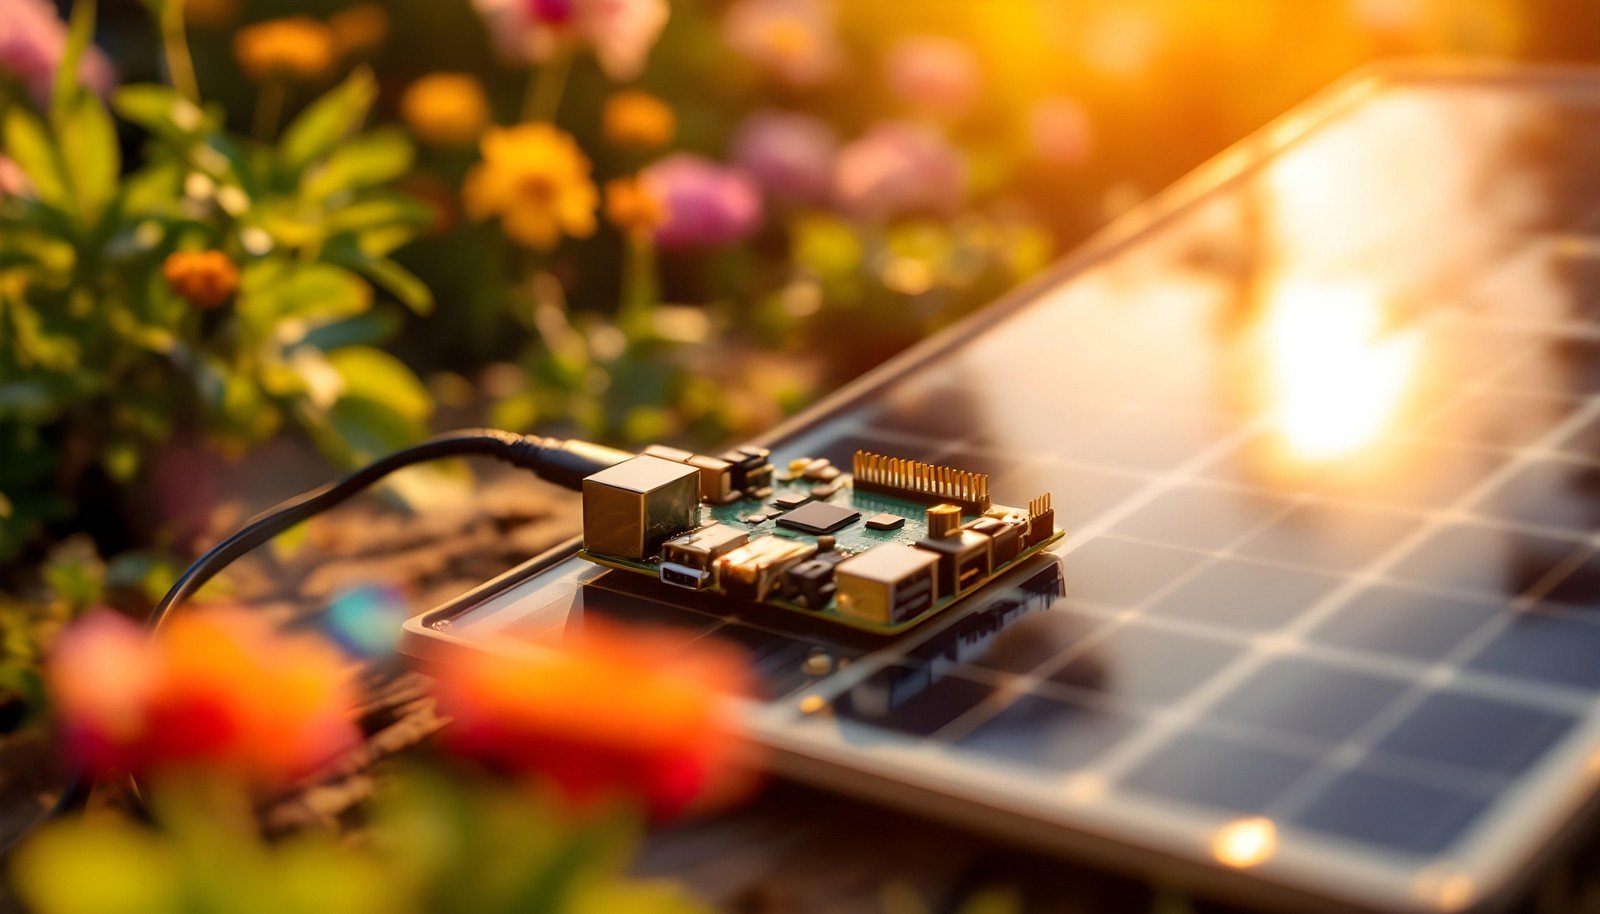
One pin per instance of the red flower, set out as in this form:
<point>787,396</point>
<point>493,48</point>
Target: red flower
<point>216,689</point>
<point>614,713</point>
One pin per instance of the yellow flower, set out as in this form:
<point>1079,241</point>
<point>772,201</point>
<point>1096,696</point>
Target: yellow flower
<point>359,29</point>
<point>445,109</point>
<point>631,207</point>
<point>298,47</point>
<point>638,119</point>
<point>204,279</point>
<point>536,179</point>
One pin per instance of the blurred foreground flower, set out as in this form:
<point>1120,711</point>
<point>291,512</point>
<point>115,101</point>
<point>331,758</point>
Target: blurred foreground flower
<point>446,109</point>
<point>613,713</point>
<point>217,689</point>
<point>298,47</point>
<point>896,169</point>
<point>790,155</point>
<point>934,73</point>
<point>638,120</point>
<point>621,32</point>
<point>205,279</point>
<point>795,39</point>
<point>32,40</point>
<point>707,204</point>
<point>536,180</point>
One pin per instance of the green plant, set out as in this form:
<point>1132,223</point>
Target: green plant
<point>436,844</point>
<point>109,348</point>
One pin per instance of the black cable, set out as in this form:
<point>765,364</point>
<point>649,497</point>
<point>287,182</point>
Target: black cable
<point>564,463</point>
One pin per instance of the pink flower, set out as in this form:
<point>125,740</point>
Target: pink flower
<point>934,73</point>
<point>620,32</point>
<point>1058,132</point>
<point>707,204</point>
<point>13,183</point>
<point>899,168</point>
<point>32,40</point>
<point>795,39</point>
<point>790,155</point>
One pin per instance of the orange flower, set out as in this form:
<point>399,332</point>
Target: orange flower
<point>536,179</point>
<point>204,279</point>
<point>614,713</point>
<point>638,119</point>
<point>216,689</point>
<point>297,47</point>
<point>632,208</point>
<point>445,109</point>
<point>358,30</point>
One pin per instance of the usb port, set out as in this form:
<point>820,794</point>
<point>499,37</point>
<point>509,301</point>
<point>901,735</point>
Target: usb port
<point>913,597</point>
<point>684,576</point>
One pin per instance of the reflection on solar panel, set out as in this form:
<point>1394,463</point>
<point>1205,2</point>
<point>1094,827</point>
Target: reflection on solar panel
<point>1331,572</point>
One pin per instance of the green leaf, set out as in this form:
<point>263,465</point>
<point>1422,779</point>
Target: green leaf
<point>153,190</point>
<point>329,119</point>
<point>362,330</point>
<point>161,110</point>
<point>29,145</point>
<point>387,274</point>
<point>80,32</point>
<point>75,574</point>
<point>271,291</point>
<point>370,429</point>
<point>90,153</point>
<point>365,161</point>
<point>378,211</point>
<point>375,375</point>
<point>399,282</point>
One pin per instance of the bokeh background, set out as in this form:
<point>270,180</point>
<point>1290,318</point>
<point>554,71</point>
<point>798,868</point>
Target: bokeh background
<point>848,179</point>
<point>247,243</point>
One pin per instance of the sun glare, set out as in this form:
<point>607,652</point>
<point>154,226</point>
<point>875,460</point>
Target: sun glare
<point>1244,843</point>
<point>1337,376</point>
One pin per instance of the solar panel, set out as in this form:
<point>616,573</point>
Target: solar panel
<point>1325,436</point>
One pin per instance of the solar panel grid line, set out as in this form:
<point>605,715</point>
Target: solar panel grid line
<point>1446,672</point>
<point>1308,748</point>
<point>1140,745</point>
<point>1360,745</point>
<point>1440,590</point>
<point>1128,507</point>
<point>1488,685</point>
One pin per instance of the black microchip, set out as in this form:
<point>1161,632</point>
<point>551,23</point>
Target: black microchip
<point>818,518</point>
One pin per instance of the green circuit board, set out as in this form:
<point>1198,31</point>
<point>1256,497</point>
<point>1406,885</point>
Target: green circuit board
<point>758,518</point>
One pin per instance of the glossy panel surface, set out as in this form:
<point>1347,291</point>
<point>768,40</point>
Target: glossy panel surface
<point>1326,442</point>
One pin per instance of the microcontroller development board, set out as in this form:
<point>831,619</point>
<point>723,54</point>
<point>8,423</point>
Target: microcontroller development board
<point>880,549</point>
